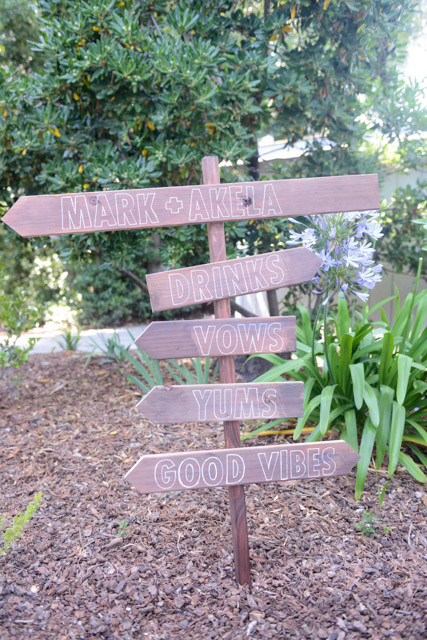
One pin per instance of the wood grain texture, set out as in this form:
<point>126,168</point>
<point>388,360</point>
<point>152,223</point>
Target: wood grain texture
<point>227,374</point>
<point>211,337</point>
<point>227,401</point>
<point>228,278</point>
<point>239,466</point>
<point>171,206</point>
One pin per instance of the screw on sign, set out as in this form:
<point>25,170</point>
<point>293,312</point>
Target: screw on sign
<point>214,203</point>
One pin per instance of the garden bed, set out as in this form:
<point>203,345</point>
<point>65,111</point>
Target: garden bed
<point>73,433</point>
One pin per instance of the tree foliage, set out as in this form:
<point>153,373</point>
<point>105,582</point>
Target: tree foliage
<point>133,94</point>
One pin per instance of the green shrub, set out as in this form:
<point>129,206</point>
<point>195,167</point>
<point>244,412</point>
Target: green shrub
<point>16,316</point>
<point>151,374</point>
<point>366,381</point>
<point>69,340</point>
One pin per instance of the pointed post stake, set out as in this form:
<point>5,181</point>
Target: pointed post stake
<point>239,525</point>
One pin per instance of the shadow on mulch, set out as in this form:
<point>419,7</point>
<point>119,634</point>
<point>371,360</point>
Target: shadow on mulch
<point>73,433</point>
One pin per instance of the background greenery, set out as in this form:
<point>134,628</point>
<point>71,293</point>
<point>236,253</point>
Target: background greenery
<point>129,94</point>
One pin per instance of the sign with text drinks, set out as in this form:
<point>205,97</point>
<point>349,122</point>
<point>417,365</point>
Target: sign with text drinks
<point>218,280</point>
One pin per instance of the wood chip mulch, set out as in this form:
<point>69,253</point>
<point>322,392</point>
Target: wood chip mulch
<point>73,433</point>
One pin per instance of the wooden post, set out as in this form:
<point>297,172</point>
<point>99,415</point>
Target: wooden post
<point>227,374</point>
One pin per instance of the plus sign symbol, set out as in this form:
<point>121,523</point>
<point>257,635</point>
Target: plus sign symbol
<point>174,205</point>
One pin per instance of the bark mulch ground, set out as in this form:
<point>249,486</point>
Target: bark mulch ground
<point>73,433</point>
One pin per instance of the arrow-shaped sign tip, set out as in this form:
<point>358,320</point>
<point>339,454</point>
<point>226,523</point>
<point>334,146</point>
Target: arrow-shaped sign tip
<point>12,218</point>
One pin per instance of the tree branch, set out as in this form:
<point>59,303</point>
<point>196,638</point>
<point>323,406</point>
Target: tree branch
<point>125,272</point>
<point>141,285</point>
<point>244,312</point>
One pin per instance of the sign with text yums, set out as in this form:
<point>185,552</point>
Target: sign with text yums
<point>218,402</point>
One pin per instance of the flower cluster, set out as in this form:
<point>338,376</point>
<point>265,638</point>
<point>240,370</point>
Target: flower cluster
<point>342,241</point>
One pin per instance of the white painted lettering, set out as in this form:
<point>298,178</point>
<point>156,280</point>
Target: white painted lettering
<point>124,209</point>
<point>165,474</point>
<point>268,402</point>
<point>202,399</point>
<point>212,471</point>
<point>198,210</point>
<point>216,275</point>
<point>273,265</point>
<point>103,213</point>
<point>270,205</point>
<point>328,460</point>
<point>204,338</point>
<point>297,464</point>
<point>235,468</point>
<point>268,466</point>
<point>223,404</point>
<point>227,339</point>
<point>179,288</point>
<point>75,213</point>
<point>189,473</point>
<point>313,456</point>
<point>236,202</point>
<point>276,340</point>
<point>235,279</point>
<point>247,403</point>
<point>200,281</point>
<point>256,277</point>
<point>146,213</point>
<point>284,464</point>
<point>252,337</point>
<point>253,211</point>
<point>218,207</point>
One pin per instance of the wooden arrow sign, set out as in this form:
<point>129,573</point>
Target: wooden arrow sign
<point>209,337</point>
<point>218,280</point>
<point>229,467</point>
<point>218,402</point>
<point>171,206</point>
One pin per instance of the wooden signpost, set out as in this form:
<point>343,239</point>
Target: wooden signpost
<point>223,337</point>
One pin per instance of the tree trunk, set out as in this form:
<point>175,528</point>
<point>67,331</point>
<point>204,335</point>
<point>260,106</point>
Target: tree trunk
<point>273,304</point>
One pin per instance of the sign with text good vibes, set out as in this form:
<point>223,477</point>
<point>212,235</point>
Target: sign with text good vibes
<point>171,206</point>
<point>230,467</point>
<point>218,280</point>
<point>206,338</point>
<point>218,402</point>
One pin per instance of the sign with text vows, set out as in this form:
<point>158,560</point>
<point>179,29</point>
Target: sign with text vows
<point>218,280</point>
<point>210,337</point>
<point>171,206</point>
<point>229,467</point>
<point>218,402</point>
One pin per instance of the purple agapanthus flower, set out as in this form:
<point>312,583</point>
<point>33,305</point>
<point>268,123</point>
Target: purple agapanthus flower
<point>344,242</point>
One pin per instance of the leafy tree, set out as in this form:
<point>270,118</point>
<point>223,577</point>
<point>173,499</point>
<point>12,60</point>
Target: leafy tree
<point>18,27</point>
<point>134,93</point>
